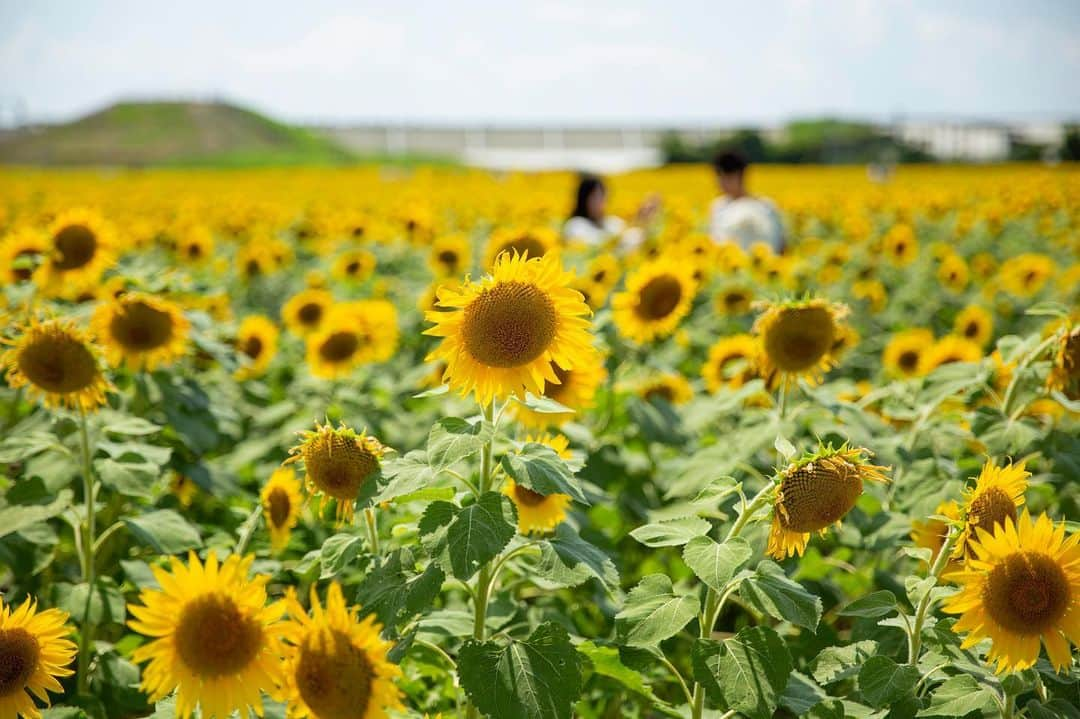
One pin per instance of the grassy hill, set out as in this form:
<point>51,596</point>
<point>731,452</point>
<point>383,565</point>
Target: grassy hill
<point>171,134</point>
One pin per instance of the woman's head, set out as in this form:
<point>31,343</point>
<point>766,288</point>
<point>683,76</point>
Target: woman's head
<point>591,199</point>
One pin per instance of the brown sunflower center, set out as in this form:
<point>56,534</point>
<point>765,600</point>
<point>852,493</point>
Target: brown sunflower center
<point>554,391</point>
<point>1027,593</point>
<point>818,494</point>
<point>215,638</point>
<point>279,505</point>
<point>23,265</point>
<point>338,466</point>
<point>138,326</point>
<point>58,363</point>
<point>76,245</point>
<point>334,677</point>
<point>971,330</point>
<point>659,297</point>
<point>908,360</point>
<point>734,301</point>
<point>339,346</point>
<point>991,508</point>
<point>353,267</point>
<point>19,652</point>
<point>524,245</point>
<point>310,314</point>
<point>252,347</point>
<point>662,391</point>
<point>194,250</point>
<point>800,337</point>
<point>509,324</point>
<point>527,497</point>
<point>448,258</point>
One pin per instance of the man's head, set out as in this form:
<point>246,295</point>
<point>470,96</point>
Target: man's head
<point>730,166</point>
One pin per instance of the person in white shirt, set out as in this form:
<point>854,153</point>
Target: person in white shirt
<point>737,216</point>
<point>589,222</point>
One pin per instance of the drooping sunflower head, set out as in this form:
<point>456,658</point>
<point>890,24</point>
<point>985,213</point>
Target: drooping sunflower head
<point>974,323</point>
<point>81,245</point>
<point>256,340</point>
<point>656,298</point>
<point>305,311</point>
<point>506,334</point>
<point>214,639</point>
<point>281,502</point>
<point>354,265</point>
<point>671,387</point>
<point>948,350</point>
<point>731,363</point>
<point>997,496</point>
<point>531,242</point>
<point>21,251</point>
<point>340,465</point>
<point>797,337</point>
<point>56,361</point>
<point>450,255</point>
<point>1021,589</point>
<point>336,665</point>
<point>1065,375</point>
<point>34,652</point>
<point>575,389</point>
<point>903,354</point>
<point>141,331</point>
<point>816,492</point>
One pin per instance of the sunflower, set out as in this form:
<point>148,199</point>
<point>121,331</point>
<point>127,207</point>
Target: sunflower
<point>671,387</point>
<point>255,259</point>
<point>900,245</point>
<point>903,353</point>
<point>34,651</point>
<point>656,298</point>
<point>532,243</point>
<point>734,301</point>
<point>506,334</point>
<point>537,513</point>
<point>353,333</point>
<point>339,465</point>
<point>215,640</point>
<point>256,340</point>
<point>183,489</point>
<point>953,273</point>
<point>797,337</point>
<point>846,338</point>
<point>604,272</point>
<point>336,665</point>
<point>55,360</point>
<point>281,501</point>
<point>975,324</point>
<point>997,495</point>
<point>141,331</point>
<point>449,255</point>
<point>196,244</point>
<point>1065,375</point>
<point>576,389</point>
<point>20,253</point>
<point>304,312</point>
<point>731,362</point>
<point>816,492</point>
<point>931,533</point>
<point>872,291</point>
<point>354,265</point>
<point>1022,586</point>
<point>947,350</point>
<point>80,247</point>
<point>1026,274</point>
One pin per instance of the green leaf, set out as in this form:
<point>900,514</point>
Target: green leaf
<point>653,612</point>
<point>746,673</point>
<point>453,439</point>
<point>568,560</point>
<point>408,476</point>
<point>539,468</point>
<point>130,426</point>
<point>337,553</point>
<point>391,589</point>
<point>22,446</point>
<point>882,681</point>
<point>671,532</point>
<point>165,531</point>
<point>771,591</point>
<point>958,696</point>
<point>713,563</point>
<point>538,678</point>
<point>543,405</point>
<point>834,664</point>
<point>433,392</point>
<point>876,604</point>
<point>801,694</point>
<point>106,604</point>
<point>135,451</point>
<point>21,516</point>
<point>607,662</point>
<point>784,447</point>
<point>479,532</point>
<point>1053,709</point>
<point>131,479</point>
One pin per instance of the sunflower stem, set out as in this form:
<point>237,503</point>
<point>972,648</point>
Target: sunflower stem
<point>247,531</point>
<point>484,579</point>
<point>372,530</point>
<point>86,636</point>
<point>942,560</point>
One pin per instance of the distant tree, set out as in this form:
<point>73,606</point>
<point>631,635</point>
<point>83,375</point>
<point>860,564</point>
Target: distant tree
<point>1070,149</point>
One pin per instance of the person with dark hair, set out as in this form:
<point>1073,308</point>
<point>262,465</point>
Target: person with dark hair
<point>737,216</point>
<point>590,223</point>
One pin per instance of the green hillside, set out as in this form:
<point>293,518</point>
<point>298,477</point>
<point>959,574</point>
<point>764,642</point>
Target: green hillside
<point>171,134</point>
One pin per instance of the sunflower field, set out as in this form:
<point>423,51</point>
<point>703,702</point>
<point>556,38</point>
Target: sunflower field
<point>363,443</point>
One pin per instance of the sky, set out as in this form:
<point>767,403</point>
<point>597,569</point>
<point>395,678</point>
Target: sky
<point>550,61</point>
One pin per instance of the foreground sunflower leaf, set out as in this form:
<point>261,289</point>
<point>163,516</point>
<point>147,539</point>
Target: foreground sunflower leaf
<point>877,604</point>
<point>958,696</point>
<point>882,681</point>
<point>606,661</point>
<point>392,587</point>
<point>653,612</point>
<point>746,673</point>
<point>453,439</point>
<point>569,560</point>
<point>164,531</point>
<point>671,532</point>
<point>462,539</point>
<point>539,468</point>
<point>834,664</point>
<point>535,678</point>
<point>714,563</point>
<point>19,517</point>
<point>770,590</point>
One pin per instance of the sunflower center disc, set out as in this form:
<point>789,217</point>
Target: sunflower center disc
<point>526,496</point>
<point>252,347</point>
<point>339,346</point>
<point>659,297</point>
<point>334,677</point>
<point>818,494</point>
<point>509,325</point>
<point>1027,593</point>
<point>662,392</point>
<point>19,652</point>
<point>76,245</point>
<point>310,314</point>
<point>279,506</point>
<point>215,638</point>
<point>524,245</point>
<point>448,258</point>
<point>141,327</point>
<point>991,508</point>
<point>908,360</point>
<point>338,467</point>
<point>800,337</point>
<point>58,365</point>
